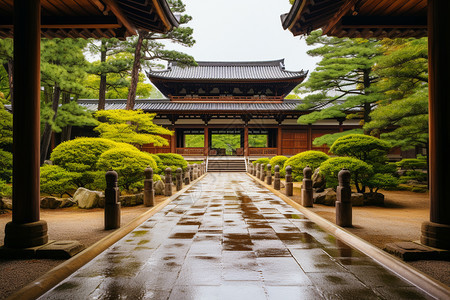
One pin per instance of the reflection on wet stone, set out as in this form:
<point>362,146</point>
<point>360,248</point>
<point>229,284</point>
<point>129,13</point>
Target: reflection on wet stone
<point>229,238</point>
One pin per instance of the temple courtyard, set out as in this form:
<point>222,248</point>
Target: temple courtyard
<point>229,238</point>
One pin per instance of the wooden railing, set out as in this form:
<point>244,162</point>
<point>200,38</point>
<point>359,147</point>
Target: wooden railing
<point>262,151</point>
<point>191,151</point>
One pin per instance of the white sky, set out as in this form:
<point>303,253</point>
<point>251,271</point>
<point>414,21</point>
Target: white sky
<point>244,30</point>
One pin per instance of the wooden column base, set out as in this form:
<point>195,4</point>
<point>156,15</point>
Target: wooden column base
<point>26,235</point>
<point>435,235</point>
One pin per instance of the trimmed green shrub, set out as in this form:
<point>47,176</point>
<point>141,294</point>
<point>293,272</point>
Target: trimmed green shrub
<point>57,181</point>
<point>129,164</point>
<point>363,147</point>
<point>298,162</point>
<point>382,181</point>
<point>263,160</point>
<point>412,164</point>
<point>5,189</point>
<point>278,160</point>
<point>359,170</point>
<point>171,160</point>
<point>139,185</point>
<point>158,164</point>
<point>5,166</point>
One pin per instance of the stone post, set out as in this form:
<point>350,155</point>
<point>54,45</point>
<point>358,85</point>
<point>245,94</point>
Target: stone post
<point>195,171</point>
<point>343,200</point>
<point>149,192</point>
<point>187,176</point>
<point>289,183</point>
<point>258,168</point>
<point>263,173</point>
<point>179,179</point>
<point>269,175</point>
<point>191,172</point>
<point>249,168</point>
<point>168,182</point>
<point>307,190</point>
<point>112,204</point>
<point>276,180</point>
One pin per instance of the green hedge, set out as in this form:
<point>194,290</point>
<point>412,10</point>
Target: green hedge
<point>128,163</point>
<point>298,162</point>
<point>263,160</point>
<point>5,189</point>
<point>278,160</point>
<point>5,166</point>
<point>57,181</point>
<point>359,170</point>
<point>173,161</point>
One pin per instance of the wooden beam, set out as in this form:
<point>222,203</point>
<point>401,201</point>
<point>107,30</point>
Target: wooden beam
<point>337,17</point>
<point>114,7</point>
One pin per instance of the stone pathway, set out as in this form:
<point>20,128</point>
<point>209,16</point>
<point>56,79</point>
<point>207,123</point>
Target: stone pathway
<point>229,238</point>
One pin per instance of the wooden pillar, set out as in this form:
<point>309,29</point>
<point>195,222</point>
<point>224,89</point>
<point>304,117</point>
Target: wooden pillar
<point>279,140</point>
<point>246,153</point>
<point>436,233</point>
<point>26,230</point>
<point>173,141</point>
<point>309,136</point>
<point>206,138</point>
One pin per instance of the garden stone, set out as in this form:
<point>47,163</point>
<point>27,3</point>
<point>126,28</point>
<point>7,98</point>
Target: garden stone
<point>376,199</point>
<point>163,178</point>
<point>50,202</point>
<point>48,162</point>
<point>5,203</point>
<point>318,181</point>
<point>159,187</point>
<point>86,198</point>
<point>357,199</point>
<point>68,202</point>
<point>131,200</point>
<point>327,197</point>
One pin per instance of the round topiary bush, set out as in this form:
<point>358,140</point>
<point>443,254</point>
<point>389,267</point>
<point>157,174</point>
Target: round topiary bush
<point>359,170</point>
<point>80,154</point>
<point>278,160</point>
<point>57,181</point>
<point>364,147</point>
<point>129,164</point>
<point>299,161</point>
<point>263,160</point>
<point>171,160</point>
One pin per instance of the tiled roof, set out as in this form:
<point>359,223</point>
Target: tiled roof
<point>262,70</point>
<point>159,105</point>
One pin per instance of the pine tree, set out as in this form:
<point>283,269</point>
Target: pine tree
<point>342,80</point>
<point>403,110</point>
<point>6,60</point>
<point>147,48</point>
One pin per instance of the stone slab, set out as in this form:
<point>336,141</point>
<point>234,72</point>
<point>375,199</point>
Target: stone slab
<point>409,251</point>
<point>53,250</point>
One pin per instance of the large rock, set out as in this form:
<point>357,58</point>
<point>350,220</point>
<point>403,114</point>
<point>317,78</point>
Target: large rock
<point>357,199</point>
<point>159,187</point>
<point>376,199</point>
<point>87,198</point>
<point>67,202</point>
<point>131,200</point>
<point>5,203</point>
<point>327,197</point>
<point>50,202</point>
<point>318,181</point>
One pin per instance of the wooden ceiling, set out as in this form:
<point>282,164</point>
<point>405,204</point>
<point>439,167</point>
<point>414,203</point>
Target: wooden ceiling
<point>358,18</point>
<point>94,18</point>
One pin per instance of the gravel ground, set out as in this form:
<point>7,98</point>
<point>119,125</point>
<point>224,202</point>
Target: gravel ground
<point>399,220</point>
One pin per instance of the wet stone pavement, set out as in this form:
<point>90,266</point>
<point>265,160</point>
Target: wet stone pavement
<point>230,238</point>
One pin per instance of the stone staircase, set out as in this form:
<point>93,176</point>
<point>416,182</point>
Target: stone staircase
<point>226,164</point>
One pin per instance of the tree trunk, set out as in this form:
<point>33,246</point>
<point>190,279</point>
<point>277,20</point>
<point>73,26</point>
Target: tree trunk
<point>47,134</point>
<point>67,130</point>
<point>135,73</point>
<point>367,107</point>
<point>102,88</point>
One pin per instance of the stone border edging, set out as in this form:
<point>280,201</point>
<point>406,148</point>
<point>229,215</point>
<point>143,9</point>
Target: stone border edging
<point>427,284</point>
<point>50,279</point>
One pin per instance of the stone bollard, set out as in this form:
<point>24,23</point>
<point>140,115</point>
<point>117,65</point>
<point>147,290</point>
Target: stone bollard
<point>195,171</point>
<point>168,183</point>
<point>191,172</point>
<point>307,190</point>
<point>253,169</point>
<point>187,176</point>
<point>276,177</point>
<point>343,199</point>
<point>289,184</point>
<point>179,179</point>
<point>249,168</point>
<point>258,168</point>
<point>269,175</point>
<point>263,173</point>
<point>149,192</point>
<point>112,204</point>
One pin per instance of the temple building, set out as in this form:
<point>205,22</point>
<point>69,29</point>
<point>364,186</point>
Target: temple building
<point>243,100</point>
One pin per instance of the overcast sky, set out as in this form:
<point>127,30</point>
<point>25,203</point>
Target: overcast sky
<point>244,30</point>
